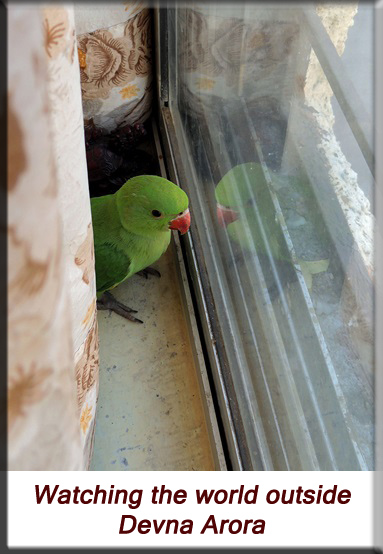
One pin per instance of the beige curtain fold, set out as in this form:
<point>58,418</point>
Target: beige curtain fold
<point>64,94</point>
<point>55,79</point>
<point>52,325</point>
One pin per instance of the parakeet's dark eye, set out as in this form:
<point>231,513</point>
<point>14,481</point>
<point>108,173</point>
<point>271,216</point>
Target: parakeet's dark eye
<point>156,213</point>
<point>180,213</point>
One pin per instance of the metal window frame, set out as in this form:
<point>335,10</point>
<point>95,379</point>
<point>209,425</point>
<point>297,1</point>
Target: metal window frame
<point>217,349</point>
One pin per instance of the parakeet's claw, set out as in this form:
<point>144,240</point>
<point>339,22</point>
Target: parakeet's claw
<point>149,271</point>
<point>108,302</point>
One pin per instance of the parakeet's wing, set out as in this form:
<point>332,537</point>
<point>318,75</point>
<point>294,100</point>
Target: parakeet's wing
<point>112,266</point>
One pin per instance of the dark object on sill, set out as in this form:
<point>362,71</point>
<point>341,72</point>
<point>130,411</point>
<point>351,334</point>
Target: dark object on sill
<point>101,161</point>
<point>112,158</point>
<point>126,137</point>
<point>138,163</point>
<point>92,133</point>
<point>119,140</point>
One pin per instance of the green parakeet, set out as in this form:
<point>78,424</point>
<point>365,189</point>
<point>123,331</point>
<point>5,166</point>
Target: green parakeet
<point>132,230</point>
<point>237,194</point>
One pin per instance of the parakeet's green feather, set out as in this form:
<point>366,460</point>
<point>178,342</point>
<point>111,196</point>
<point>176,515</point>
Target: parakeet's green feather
<point>127,236</point>
<point>113,266</point>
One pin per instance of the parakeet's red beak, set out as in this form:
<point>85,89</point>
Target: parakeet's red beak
<point>226,215</point>
<point>181,223</point>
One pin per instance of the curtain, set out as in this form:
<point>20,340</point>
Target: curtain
<point>65,63</point>
<point>115,56</point>
<point>52,325</point>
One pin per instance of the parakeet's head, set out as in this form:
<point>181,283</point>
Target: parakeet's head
<point>236,190</point>
<point>149,203</point>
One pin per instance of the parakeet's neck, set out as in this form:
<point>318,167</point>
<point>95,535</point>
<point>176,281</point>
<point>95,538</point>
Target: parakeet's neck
<point>143,248</point>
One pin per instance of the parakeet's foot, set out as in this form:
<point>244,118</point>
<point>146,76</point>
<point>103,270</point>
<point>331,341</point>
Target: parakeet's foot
<point>148,271</point>
<point>108,302</point>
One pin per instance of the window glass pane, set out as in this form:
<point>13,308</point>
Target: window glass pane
<point>275,140</point>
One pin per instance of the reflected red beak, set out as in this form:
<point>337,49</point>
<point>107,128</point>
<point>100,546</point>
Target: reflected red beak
<point>181,223</point>
<point>226,215</point>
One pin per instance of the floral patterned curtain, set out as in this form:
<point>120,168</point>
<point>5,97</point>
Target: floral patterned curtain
<point>115,56</point>
<point>52,336</point>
